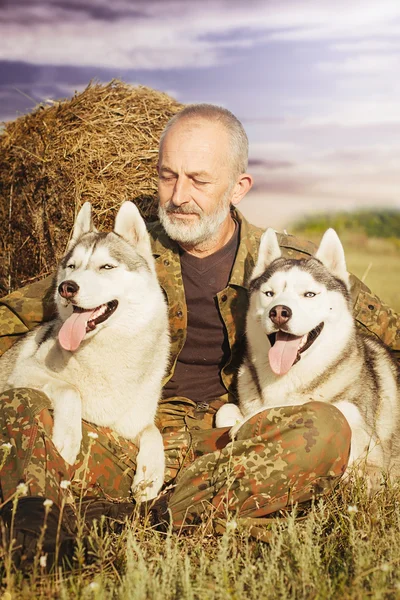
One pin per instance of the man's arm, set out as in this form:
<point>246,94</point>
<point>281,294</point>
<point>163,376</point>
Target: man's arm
<point>375,317</point>
<point>22,310</point>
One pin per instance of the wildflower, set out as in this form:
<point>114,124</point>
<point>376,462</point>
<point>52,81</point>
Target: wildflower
<point>93,435</point>
<point>352,509</point>
<point>22,489</point>
<point>6,446</point>
<point>48,503</point>
<point>94,585</point>
<point>43,560</point>
<point>64,484</point>
<point>231,525</point>
<point>385,567</point>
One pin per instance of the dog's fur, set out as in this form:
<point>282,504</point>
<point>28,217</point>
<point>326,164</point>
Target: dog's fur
<point>113,377</point>
<point>334,362</point>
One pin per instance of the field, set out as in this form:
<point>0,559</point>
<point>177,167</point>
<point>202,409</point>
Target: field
<point>376,261</point>
<point>346,546</point>
<point>371,240</point>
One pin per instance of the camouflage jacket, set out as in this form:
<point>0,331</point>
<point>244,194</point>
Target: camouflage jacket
<point>27,307</point>
<point>371,314</point>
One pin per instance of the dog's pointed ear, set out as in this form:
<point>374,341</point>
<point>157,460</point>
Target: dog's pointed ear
<point>130,225</point>
<point>83,224</point>
<point>269,250</point>
<point>331,254</point>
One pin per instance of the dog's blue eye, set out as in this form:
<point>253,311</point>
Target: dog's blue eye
<point>107,267</point>
<point>269,294</point>
<point>309,294</point>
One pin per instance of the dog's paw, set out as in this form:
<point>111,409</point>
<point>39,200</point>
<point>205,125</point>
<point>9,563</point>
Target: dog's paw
<point>228,415</point>
<point>146,488</point>
<point>68,442</point>
<point>148,481</point>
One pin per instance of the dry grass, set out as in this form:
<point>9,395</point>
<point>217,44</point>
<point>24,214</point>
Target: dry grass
<point>377,263</point>
<point>101,146</point>
<point>346,547</point>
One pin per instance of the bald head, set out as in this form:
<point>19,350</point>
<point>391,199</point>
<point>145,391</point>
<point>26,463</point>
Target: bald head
<point>237,145</point>
<point>202,158</point>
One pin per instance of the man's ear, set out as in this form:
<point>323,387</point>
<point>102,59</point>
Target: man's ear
<point>268,252</point>
<point>83,224</point>
<point>242,186</point>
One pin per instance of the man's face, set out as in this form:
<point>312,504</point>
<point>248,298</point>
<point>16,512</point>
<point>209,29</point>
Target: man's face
<point>195,180</point>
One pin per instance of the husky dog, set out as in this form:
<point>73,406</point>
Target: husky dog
<point>303,345</point>
<point>104,357</point>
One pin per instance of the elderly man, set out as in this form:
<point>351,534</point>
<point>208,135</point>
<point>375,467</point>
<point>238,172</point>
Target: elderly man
<point>204,251</point>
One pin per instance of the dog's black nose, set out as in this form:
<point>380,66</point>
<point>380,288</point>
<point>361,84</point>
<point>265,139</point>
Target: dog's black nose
<point>68,289</point>
<point>280,314</point>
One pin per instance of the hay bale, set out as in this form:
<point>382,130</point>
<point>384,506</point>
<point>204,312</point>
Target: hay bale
<point>99,146</point>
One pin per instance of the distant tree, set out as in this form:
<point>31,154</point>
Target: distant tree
<point>380,224</point>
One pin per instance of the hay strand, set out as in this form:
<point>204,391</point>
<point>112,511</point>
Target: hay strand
<point>101,146</point>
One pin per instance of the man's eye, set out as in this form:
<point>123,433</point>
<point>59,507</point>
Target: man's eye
<point>197,182</point>
<point>107,266</point>
<point>269,293</point>
<point>309,295</point>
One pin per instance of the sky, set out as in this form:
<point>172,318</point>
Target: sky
<point>315,83</point>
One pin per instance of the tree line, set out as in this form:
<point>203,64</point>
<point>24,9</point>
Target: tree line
<point>374,223</point>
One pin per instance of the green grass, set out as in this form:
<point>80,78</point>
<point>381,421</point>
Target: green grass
<point>382,223</point>
<point>347,547</point>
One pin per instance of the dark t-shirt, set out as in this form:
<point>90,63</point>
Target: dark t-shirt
<point>197,373</point>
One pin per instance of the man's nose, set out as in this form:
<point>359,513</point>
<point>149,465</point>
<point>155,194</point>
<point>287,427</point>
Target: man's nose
<point>181,193</point>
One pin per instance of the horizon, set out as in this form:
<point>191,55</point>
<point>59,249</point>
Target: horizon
<point>315,85</point>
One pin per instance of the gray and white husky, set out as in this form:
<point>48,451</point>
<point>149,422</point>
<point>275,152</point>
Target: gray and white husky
<point>104,357</point>
<point>303,345</point>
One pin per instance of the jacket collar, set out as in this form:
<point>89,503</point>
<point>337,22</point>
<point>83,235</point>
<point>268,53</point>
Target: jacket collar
<point>164,248</point>
<point>247,251</point>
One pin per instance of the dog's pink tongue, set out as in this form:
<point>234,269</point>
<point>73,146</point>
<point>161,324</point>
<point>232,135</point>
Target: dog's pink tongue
<point>74,329</point>
<point>283,353</point>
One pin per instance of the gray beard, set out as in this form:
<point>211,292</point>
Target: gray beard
<point>204,229</point>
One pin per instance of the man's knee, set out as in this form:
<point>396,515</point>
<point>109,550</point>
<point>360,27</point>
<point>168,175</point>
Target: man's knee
<point>316,432</point>
<point>24,401</point>
<point>330,421</point>
<point>327,431</point>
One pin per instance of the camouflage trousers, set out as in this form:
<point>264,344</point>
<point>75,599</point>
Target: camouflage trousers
<point>280,456</point>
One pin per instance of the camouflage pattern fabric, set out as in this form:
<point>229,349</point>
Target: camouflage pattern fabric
<point>25,308</point>
<point>284,455</point>
<point>280,457</point>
